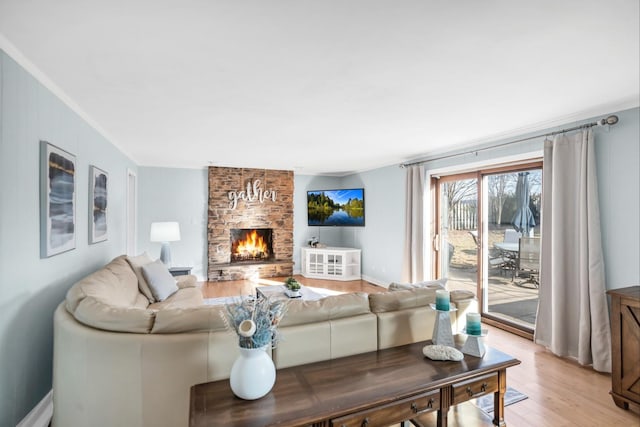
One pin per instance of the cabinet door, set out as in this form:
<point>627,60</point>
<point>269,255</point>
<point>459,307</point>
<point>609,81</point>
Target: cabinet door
<point>316,263</point>
<point>335,264</point>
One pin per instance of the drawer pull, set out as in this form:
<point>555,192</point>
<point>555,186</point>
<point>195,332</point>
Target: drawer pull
<point>365,422</point>
<point>430,404</point>
<point>483,388</point>
<point>414,407</point>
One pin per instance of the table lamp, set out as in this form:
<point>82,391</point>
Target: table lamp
<point>165,232</point>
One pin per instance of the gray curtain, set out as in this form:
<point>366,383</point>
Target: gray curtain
<point>413,259</point>
<point>573,317</point>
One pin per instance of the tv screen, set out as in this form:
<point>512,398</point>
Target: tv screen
<point>336,207</point>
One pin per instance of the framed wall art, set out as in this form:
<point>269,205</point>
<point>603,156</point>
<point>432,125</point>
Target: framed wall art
<point>98,180</point>
<point>57,200</point>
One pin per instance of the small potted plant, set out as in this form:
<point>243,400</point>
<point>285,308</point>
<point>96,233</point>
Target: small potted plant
<point>293,288</point>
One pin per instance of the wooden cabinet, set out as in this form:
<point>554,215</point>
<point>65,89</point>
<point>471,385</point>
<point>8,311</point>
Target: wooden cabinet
<point>331,263</point>
<point>625,345</point>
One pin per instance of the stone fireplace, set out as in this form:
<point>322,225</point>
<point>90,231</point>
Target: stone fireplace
<point>250,223</point>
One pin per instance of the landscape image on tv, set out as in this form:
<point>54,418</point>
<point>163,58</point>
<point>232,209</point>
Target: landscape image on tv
<point>336,207</point>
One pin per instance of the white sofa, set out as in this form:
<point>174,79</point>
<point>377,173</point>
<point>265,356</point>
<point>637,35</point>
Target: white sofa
<point>120,360</point>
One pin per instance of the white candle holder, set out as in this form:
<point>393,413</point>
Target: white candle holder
<point>474,345</point>
<point>442,334</point>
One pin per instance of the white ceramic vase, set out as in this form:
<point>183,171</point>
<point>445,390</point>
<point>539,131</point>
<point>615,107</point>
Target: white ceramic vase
<point>253,374</point>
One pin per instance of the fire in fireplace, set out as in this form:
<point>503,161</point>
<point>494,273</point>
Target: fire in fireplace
<point>251,244</point>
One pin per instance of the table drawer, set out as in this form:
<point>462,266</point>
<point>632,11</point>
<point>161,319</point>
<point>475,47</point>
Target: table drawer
<point>473,388</point>
<point>391,413</point>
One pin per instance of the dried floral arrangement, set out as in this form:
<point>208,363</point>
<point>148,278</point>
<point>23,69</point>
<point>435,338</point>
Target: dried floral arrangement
<point>256,320</point>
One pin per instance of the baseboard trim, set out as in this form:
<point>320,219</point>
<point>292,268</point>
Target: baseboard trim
<point>41,415</point>
<point>375,281</point>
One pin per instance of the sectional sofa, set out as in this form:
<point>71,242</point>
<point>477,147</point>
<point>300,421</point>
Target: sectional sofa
<point>122,359</point>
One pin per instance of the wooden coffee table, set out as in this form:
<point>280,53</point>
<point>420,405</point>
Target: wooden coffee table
<point>371,389</point>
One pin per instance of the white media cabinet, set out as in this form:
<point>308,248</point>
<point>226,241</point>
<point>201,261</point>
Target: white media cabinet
<point>331,263</point>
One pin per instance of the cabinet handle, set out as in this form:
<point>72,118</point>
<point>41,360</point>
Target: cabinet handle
<point>430,404</point>
<point>365,422</point>
<point>483,388</point>
<point>469,392</point>
<point>414,407</point>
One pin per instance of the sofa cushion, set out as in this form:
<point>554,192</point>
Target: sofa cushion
<point>332,307</point>
<point>193,319</point>
<point>186,281</point>
<point>457,295</point>
<point>136,263</point>
<point>160,281</point>
<point>95,313</point>
<point>184,298</point>
<point>400,300</point>
<point>114,284</point>
<point>438,284</point>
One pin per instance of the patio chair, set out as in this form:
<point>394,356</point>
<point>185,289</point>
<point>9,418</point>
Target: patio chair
<point>496,258</point>
<point>529,260</point>
<point>511,236</point>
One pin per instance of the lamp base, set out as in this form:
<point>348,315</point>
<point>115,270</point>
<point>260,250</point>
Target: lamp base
<point>165,254</point>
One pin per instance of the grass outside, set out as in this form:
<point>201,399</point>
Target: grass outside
<point>506,298</point>
<point>465,252</point>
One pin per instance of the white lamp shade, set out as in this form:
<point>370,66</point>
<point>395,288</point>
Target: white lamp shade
<point>164,232</point>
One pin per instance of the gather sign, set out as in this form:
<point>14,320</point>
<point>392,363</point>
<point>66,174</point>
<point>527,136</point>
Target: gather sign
<point>251,194</point>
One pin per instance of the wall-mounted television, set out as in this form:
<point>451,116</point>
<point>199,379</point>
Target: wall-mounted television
<point>336,207</point>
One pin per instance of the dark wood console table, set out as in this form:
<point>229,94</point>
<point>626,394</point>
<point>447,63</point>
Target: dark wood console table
<point>371,389</point>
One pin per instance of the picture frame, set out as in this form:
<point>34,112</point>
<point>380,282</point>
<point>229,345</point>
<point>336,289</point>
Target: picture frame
<point>57,200</point>
<point>98,204</point>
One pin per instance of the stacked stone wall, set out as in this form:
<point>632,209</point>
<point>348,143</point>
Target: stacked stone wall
<point>249,198</point>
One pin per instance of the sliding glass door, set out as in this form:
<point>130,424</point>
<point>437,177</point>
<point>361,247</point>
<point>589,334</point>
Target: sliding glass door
<point>488,240</point>
<point>456,239</point>
<point>512,250</point>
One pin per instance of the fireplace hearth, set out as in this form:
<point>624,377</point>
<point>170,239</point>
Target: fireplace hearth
<point>251,244</point>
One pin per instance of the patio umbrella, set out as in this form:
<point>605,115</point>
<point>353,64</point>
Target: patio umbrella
<point>523,220</point>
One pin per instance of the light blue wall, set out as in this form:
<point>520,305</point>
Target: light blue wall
<point>30,287</point>
<point>381,238</point>
<point>618,168</point>
<point>181,195</point>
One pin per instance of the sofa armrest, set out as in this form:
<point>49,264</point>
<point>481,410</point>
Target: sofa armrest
<point>186,281</point>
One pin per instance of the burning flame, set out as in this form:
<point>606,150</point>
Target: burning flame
<point>253,245</point>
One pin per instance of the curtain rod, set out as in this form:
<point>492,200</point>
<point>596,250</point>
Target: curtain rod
<point>610,120</point>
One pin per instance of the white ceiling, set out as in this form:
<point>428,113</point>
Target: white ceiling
<point>325,86</point>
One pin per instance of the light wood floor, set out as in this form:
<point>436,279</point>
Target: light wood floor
<point>246,287</point>
<point>560,392</point>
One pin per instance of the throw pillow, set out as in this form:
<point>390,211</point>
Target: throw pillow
<point>161,282</point>
<point>136,263</point>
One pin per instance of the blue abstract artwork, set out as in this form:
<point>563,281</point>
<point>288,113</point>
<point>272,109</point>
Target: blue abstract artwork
<point>97,205</point>
<point>57,201</point>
